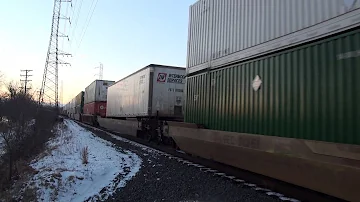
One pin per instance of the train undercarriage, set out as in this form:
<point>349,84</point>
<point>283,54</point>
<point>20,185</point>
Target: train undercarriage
<point>151,128</point>
<point>155,128</point>
<point>295,161</point>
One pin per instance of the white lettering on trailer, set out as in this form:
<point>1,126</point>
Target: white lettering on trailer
<point>175,78</point>
<point>176,90</point>
<point>196,97</point>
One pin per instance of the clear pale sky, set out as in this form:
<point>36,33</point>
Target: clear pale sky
<point>124,35</point>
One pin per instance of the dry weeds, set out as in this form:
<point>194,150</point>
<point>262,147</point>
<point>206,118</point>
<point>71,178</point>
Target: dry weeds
<point>19,190</point>
<point>84,155</point>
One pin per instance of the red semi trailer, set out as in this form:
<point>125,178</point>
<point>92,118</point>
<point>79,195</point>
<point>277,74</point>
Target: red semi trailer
<point>95,100</point>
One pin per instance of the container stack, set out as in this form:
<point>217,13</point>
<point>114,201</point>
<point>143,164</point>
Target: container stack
<point>95,97</point>
<point>224,32</point>
<point>79,103</point>
<point>275,67</point>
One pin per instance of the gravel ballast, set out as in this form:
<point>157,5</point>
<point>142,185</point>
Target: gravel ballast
<point>163,177</point>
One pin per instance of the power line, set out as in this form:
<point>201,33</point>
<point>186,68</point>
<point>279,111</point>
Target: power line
<point>73,8</point>
<point>87,24</point>
<point>66,13</point>
<point>76,22</point>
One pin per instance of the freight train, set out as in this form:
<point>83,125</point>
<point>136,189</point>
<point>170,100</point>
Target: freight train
<point>147,99</point>
<point>270,90</point>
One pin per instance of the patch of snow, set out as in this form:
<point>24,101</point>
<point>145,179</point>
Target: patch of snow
<point>31,122</point>
<point>270,193</point>
<point>63,177</point>
<point>181,151</point>
<point>143,147</point>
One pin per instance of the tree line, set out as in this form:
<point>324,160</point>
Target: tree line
<point>25,127</point>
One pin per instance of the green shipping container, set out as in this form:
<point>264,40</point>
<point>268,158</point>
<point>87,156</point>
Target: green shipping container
<point>79,103</point>
<point>308,92</point>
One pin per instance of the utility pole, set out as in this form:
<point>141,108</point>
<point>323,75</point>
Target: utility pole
<point>26,78</point>
<point>49,88</point>
<point>101,69</point>
<point>38,93</point>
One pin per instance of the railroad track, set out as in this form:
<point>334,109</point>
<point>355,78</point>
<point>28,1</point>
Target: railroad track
<point>282,190</point>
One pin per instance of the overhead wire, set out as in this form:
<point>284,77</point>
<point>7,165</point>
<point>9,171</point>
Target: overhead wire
<point>71,17</point>
<point>87,24</point>
<point>73,8</point>
<point>76,21</point>
<point>63,39</point>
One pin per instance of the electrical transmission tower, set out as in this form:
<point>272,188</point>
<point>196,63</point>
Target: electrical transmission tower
<point>49,88</point>
<point>101,70</point>
<point>26,78</point>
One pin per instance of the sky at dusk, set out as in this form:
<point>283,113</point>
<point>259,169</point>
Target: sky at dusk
<point>124,35</point>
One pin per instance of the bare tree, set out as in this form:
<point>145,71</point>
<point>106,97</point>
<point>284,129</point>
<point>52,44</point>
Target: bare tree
<point>25,127</point>
<point>17,110</point>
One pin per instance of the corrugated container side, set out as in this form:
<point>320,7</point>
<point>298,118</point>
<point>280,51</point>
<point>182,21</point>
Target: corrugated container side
<point>97,91</point>
<point>218,28</point>
<point>197,32</point>
<point>130,96</point>
<point>196,108</point>
<point>72,106</point>
<point>308,92</point>
<point>79,99</point>
<point>168,91</point>
<point>89,95</point>
<point>95,108</point>
<point>101,90</point>
<point>145,91</point>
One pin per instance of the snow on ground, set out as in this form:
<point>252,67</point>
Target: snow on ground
<point>147,149</point>
<point>63,177</point>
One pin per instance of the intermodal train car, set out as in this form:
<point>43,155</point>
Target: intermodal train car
<point>90,103</point>
<point>286,107</point>
<point>79,105</point>
<point>95,97</point>
<point>271,87</point>
<point>155,92</point>
<point>74,108</point>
